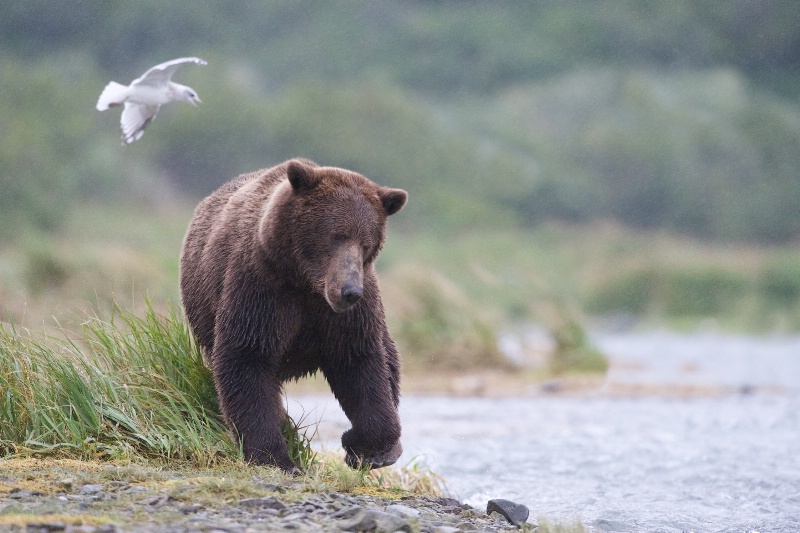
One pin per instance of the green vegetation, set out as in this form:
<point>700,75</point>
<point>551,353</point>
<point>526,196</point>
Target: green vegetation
<point>436,326</point>
<point>128,386</point>
<point>673,115</point>
<point>135,390</point>
<point>560,274</point>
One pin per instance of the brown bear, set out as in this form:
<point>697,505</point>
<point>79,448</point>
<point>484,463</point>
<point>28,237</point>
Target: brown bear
<point>278,281</point>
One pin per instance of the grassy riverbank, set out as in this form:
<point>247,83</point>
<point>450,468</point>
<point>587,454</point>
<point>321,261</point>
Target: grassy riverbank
<point>118,429</point>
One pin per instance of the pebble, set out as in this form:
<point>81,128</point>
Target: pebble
<point>402,510</point>
<point>270,502</point>
<point>90,489</point>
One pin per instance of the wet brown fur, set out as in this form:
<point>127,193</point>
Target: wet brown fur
<point>269,266</point>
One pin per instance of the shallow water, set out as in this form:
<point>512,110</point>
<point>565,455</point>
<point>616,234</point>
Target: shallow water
<point>725,463</point>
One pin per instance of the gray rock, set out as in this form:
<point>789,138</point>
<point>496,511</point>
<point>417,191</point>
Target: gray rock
<point>90,489</point>
<point>446,502</point>
<point>156,502</point>
<point>191,508</point>
<point>271,487</point>
<point>80,529</point>
<point>445,529</point>
<point>376,521</point>
<point>270,502</point>
<point>267,513</point>
<point>515,513</point>
<point>402,510</point>
<point>134,489</point>
<point>47,526</point>
<point>347,512</point>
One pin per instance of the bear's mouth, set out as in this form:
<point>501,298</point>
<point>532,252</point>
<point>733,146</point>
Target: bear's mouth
<point>339,305</point>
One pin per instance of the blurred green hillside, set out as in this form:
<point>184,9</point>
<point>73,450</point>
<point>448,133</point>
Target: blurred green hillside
<point>678,117</point>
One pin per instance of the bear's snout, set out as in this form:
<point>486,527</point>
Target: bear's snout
<point>352,293</point>
<point>344,283</point>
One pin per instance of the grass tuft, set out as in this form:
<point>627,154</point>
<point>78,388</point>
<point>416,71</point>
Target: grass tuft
<point>299,441</point>
<point>127,387</point>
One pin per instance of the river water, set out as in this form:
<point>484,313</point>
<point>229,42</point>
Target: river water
<point>723,462</point>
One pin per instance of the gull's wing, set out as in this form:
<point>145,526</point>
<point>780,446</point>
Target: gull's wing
<point>134,119</point>
<point>161,74</point>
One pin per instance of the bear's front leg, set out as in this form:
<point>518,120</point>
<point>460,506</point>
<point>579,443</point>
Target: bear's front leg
<point>251,402</point>
<point>363,390</point>
<point>251,332</point>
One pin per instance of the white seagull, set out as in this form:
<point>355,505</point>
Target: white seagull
<point>145,95</point>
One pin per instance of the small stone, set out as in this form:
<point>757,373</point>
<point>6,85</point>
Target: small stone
<point>270,487</point>
<point>470,513</point>
<point>157,502</point>
<point>376,521</point>
<point>47,526</point>
<point>552,387</point>
<point>446,502</point>
<point>403,511</point>
<point>80,529</point>
<point>347,512</point>
<point>270,502</point>
<point>515,513</point>
<point>445,529</point>
<point>191,508</point>
<point>90,489</point>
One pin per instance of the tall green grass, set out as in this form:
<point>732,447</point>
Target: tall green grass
<point>128,386</point>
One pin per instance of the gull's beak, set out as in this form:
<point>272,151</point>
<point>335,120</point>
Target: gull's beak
<point>196,100</point>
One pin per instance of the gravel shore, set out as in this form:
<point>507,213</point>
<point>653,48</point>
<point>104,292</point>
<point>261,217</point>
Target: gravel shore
<point>55,500</point>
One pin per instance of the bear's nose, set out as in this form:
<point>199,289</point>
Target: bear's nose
<point>352,293</point>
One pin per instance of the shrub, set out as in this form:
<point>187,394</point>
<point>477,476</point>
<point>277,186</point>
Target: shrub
<point>436,326</point>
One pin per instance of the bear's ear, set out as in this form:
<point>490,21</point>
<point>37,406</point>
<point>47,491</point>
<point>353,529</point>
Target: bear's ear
<point>301,176</point>
<point>393,200</point>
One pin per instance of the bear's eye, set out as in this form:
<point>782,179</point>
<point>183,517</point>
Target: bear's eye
<point>366,252</point>
<point>338,238</point>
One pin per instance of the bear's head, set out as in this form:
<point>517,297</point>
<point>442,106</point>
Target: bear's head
<point>335,221</point>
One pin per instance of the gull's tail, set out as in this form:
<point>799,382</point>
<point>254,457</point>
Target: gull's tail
<point>112,96</point>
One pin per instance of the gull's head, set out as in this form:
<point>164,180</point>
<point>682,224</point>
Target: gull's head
<point>189,95</point>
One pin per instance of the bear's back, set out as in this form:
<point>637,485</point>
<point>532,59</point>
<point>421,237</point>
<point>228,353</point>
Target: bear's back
<point>223,225</point>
